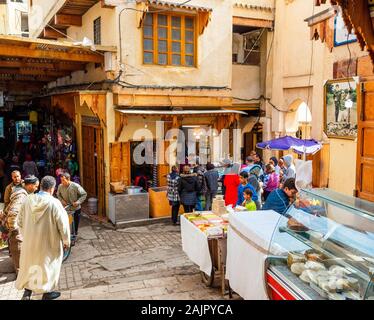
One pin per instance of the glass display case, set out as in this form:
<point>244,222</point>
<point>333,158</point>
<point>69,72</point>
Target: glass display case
<point>323,248</point>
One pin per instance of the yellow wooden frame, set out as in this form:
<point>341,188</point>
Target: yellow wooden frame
<point>155,26</point>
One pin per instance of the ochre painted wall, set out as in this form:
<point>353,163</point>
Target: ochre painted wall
<point>291,66</point>
<point>342,165</point>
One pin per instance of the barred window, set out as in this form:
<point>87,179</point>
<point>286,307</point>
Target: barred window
<point>97,31</point>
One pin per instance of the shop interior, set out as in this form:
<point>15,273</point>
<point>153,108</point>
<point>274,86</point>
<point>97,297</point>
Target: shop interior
<point>44,135</point>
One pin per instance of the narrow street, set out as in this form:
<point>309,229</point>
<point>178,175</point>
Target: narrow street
<point>128,264</point>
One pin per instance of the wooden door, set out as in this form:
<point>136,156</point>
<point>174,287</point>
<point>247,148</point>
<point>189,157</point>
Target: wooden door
<point>365,141</point>
<point>163,167</point>
<point>120,165</point>
<point>88,165</point>
<point>93,164</point>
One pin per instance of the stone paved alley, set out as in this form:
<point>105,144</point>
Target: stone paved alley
<point>144,262</point>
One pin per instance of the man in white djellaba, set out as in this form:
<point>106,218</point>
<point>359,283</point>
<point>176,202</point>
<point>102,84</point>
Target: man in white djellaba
<point>44,225</point>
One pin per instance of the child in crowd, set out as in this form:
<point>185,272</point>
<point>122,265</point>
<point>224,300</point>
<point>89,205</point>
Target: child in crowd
<point>248,203</point>
<point>244,184</point>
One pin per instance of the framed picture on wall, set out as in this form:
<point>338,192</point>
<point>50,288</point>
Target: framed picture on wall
<point>340,109</point>
<point>341,34</point>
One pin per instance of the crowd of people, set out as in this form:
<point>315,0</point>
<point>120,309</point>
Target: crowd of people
<point>36,226</point>
<point>253,185</point>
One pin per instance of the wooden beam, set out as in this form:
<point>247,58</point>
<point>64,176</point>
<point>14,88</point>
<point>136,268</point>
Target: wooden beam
<point>67,20</point>
<point>49,33</point>
<point>25,52</point>
<point>143,100</point>
<point>59,66</point>
<point>25,78</point>
<point>249,22</point>
<point>40,72</point>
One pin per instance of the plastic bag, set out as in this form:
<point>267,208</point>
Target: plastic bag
<point>304,174</point>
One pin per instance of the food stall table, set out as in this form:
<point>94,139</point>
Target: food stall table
<point>208,252</point>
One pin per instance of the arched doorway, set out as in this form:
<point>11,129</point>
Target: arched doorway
<point>298,120</point>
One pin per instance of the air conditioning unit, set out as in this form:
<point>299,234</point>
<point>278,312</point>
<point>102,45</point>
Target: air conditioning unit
<point>108,61</point>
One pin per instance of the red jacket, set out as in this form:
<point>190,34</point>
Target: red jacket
<point>231,183</point>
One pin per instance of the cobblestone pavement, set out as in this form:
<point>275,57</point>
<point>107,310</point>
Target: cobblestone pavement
<point>135,263</point>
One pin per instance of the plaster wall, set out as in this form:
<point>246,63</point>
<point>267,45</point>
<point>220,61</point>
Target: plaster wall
<point>292,79</point>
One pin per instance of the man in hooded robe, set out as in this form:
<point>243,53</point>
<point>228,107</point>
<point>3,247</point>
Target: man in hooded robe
<point>17,199</point>
<point>44,226</point>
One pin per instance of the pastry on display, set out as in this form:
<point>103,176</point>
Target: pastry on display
<point>313,265</point>
<point>298,268</point>
<point>295,225</point>
<point>314,256</point>
<point>294,257</point>
<point>339,271</point>
<point>309,276</point>
<point>353,283</point>
<point>305,277</point>
<point>342,284</point>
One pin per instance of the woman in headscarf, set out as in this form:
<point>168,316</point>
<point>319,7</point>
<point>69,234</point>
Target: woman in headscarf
<point>274,162</point>
<point>290,168</point>
<point>272,180</point>
<point>254,180</point>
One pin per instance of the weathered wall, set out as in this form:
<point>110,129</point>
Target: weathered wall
<point>245,81</point>
<point>3,19</point>
<point>214,53</point>
<point>342,166</point>
<point>109,30</point>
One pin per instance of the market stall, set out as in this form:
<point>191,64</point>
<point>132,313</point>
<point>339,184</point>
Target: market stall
<point>337,262</point>
<point>321,249</point>
<point>204,242</point>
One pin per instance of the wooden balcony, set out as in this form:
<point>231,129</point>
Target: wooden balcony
<point>68,15</point>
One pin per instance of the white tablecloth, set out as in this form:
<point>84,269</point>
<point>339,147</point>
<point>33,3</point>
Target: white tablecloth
<point>195,245</point>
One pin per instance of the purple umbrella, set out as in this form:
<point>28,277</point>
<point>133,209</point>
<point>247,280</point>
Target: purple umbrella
<point>300,146</point>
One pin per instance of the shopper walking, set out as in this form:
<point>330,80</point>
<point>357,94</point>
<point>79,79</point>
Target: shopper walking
<point>211,178</point>
<point>29,167</point>
<point>17,199</point>
<point>73,195</point>
<point>44,226</point>
<point>256,183</point>
<point>188,188</point>
<point>199,170</point>
<point>16,181</point>
<point>232,183</point>
<point>172,193</point>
